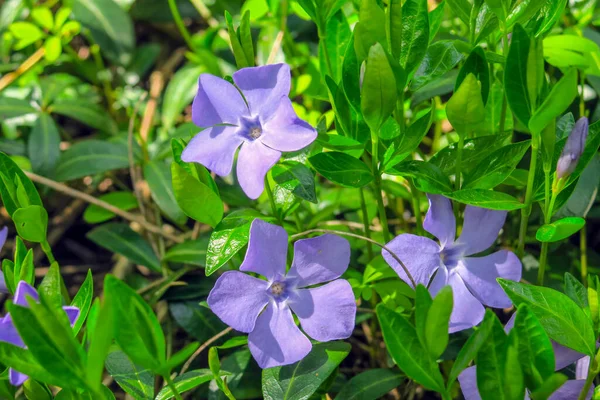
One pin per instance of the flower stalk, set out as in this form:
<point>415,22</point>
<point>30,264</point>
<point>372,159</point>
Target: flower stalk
<point>526,211</point>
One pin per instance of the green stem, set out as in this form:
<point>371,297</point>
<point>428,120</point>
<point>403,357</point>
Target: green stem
<point>583,250</point>
<point>504,101</point>
<point>106,86</point>
<point>179,22</point>
<point>543,259</point>
<point>377,183</point>
<point>459,151</point>
<point>271,199</point>
<point>363,206</point>
<point>592,372</point>
<point>526,211</point>
<point>322,40</point>
<point>48,251</point>
<point>172,386</point>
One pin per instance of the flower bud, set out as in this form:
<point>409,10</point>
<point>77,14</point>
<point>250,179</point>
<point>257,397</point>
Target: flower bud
<point>573,149</point>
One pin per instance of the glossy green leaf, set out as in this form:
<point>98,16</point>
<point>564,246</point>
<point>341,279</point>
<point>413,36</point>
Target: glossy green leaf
<point>372,384</point>
<point>562,319</point>
<point>158,176</point>
<point>91,157</point>
<point>486,199</point>
<point>121,239</point>
<point>440,58</point>
<point>191,252</point>
<point>197,200</point>
<point>51,286</point>
<point>438,318</point>
<point>342,169</point>
<point>198,321</point>
<point>477,65</point>
<point>296,178</point>
<point>11,177</point>
<point>409,141</point>
<point>133,379</point>
<point>241,59</point>
<point>415,34</point>
<point>44,145</point>
<point>561,96</point>
<point>515,75</point>
<point>301,380</point>
<point>31,223</point>
<point>465,109</point>
<point>83,301</point>
<point>559,230</point>
<point>378,93</point>
<point>428,177</point>
<point>187,381</point>
<point>496,167</point>
<point>403,344</point>
<point>370,29</point>
<point>336,41</point>
<point>394,27</point>
<point>94,214</point>
<point>11,107</point>
<point>179,94</point>
<point>23,360</point>
<point>86,112</point>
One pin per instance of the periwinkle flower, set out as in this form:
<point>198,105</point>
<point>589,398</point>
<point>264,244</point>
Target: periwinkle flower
<point>3,236</point>
<point>8,331</point>
<point>473,279</point>
<point>573,149</point>
<point>262,122</point>
<point>264,308</point>
<point>563,357</point>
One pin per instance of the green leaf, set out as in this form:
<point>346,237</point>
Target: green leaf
<point>43,17</point>
<point>477,65</point>
<point>465,109</point>
<point>83,301</point>
<point>35,390</point>
<point>31,223</point>
<point>296,178</point>
<point>23,360</point>
<point>423,303</point>
<point>486,199</point>
<point>438,318</point>
<point>137,330</point>
<point>121,239</point>
<point>10,178</point>
<point>187,381</point>
<point>370,385</point>
<point>440,58</point>
<point>576,291</point>
<point>496,167</point>
<point>133,379</point>
<point>299,381</point>
<point>51,286</point>
<point>26,33</point>
<point>403,344</point>
<point>110,26</point>
<point>415,34</point>
<point>91,157</point>
<point>515,75</point>
<point>342,169</point>
<point>549,386</point>
<point>336,41</point>
<point>428,177</point>
<point>197,200</point>
<point>52,48</point>
<point>409,141</point>
<point>499,7</point>
<point>179,94</point>
<point>241,59</point>
<point>561,96</point>
<point>94,214</point>
<point>229,237</point>
<point>191,252</point>
<point>462,8</point>
<point>562,319</point>
<point>198,321</point>
<point>44,145</point>
<point>369,30</point>
<point>535,349</point>
<point>11,107</point>
<point>158,176</point>
<point>378,93</point>
<point>559,230</point>
<point>86,112</point>
<point>394,27</point>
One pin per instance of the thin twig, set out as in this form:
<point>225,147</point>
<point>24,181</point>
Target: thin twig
<point>394,256</point>
<point>24,67</point>
<point>59,187</point>
<point>275,48</point>
<point>210,341</point>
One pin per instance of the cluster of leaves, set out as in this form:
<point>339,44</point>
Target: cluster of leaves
<point>458,98</point>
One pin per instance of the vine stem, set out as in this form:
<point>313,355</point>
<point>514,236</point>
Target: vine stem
<point>377,183</point>
<point>526,211</point>
<point>363,206</point>
<point>459,151</point>
<point>271,199</point>
<point>48,251</point>
<point>21,69</point>
<point>171,384</point>
<point>210,341</point>
<point>179,22</point>
<point>384,247</point>
<point>583,251</point>
<point>592,372</point>
<point>59,187</point>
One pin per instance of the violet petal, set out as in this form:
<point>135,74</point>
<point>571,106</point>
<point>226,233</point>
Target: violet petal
<point>267,250</point>
<point>285,131</point>
<point>254,161</point>
<point>217,102</point>
<point>480,229</point>
<point>420,255</point>
<point>440,221</point>
<point>467,311</point>
<point>214,148</point>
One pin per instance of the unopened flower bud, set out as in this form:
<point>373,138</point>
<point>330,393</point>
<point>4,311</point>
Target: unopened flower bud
<point>573,149</point>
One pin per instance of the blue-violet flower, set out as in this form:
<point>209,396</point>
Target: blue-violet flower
<point>3,235</point>
<point>567,162</point>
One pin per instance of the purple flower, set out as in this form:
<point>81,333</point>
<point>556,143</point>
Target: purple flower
<point>262,122</point>
<point>573,149</point>
<point>473,279</point>
<point>325,312</point>
<point>3,235</point>
<point>9,334</point>
<point>563,356</point>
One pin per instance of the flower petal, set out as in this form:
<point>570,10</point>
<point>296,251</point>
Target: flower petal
<point>276,340</point>
<point>326,312</point>
<point>480,229</point>
<point>254,161</point>
<point>8,332</point>
<point>16,378</point>
<point>467,311</point>
<point>3,288</point>
<point>570,390</point>
<point>237,299</point>
<point>420,255</point>
<point>468,383</point>
<point>214,148</point>
<point>285,131</point>
<point>217,102</point>
<point>480,273</point>
<point>23,291</point>
<point>440,221</point>
<point>319,259</point>
<point>263,87</point>
<point>564,356</point>
<point>440,279</point>
<point>267,250</point>
<point>582,368</point>
<point>72,313</point>
<point>3,236</point>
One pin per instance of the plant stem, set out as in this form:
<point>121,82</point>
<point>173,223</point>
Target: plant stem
<point>504,102</point>
<point>172,386</point>
<point>48,251</point>
<point>179,22</point>
<point>210,341</point>
<point>459,151</point>
<point>363,206</point>
<point>341,233</point>
<point>583,251</point>
<point>377,183</point>
<point>526,211</point>
<point>21,69</point>
<point>271,199</point>
<point>592,372</point>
